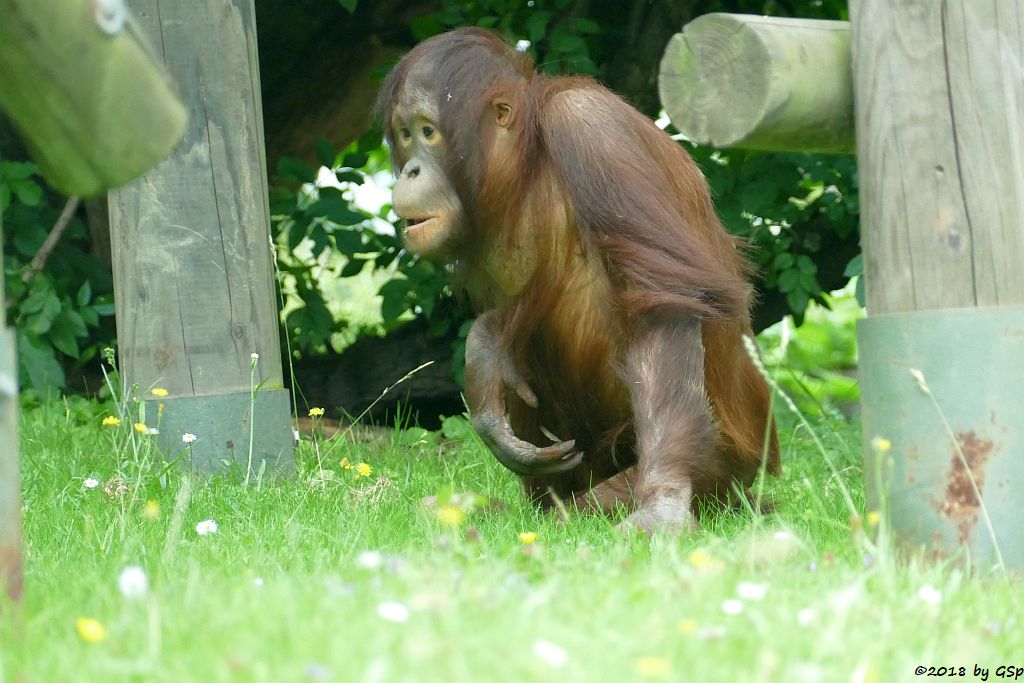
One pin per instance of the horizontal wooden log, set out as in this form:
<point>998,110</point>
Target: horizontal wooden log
<point>93,106</point>
<point>733,80</point>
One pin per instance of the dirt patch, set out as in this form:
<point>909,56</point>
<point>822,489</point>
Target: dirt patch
<point>961,503</point>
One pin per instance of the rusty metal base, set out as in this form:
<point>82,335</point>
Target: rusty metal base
<point>971,360</point>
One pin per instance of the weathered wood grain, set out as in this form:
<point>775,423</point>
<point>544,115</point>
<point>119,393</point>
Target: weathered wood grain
<point>190,239</point>
<point>735,80</point>
<point>191,254</point>
<point>940,114</point>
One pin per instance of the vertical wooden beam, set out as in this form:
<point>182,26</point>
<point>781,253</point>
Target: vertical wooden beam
<point>10,490</point>
<point>940,130</point>
<point>192,260</point>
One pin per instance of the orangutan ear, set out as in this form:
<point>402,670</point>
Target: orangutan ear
<point>502,112</point>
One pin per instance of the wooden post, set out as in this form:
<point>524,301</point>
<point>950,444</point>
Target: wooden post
<point>191,252</point>
<point>940,115</point>
<point>10,492</point>
<point>733,80</point>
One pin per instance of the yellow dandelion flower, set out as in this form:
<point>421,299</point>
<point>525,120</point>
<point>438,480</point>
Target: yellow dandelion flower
<point>151,510</point>
<point>316,412</point>
<point>111,421</point>
<point>700,558</point>
<point>874,518</point>
<point>90,630</point>
<point>159,392</point>
<point>652,667</point>
<point>141,427</point>
<point>160,408</point>
<point>527,537</point>
<point>881,444</point>
<point>688,627</point>
<point>345,464</point>
<point>451,515</point>
<point>363,470</point>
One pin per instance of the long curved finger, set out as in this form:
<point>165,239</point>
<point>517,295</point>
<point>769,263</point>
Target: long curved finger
<point>521,456</point>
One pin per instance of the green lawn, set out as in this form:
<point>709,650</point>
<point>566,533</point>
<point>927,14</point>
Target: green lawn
<point>329,577</point>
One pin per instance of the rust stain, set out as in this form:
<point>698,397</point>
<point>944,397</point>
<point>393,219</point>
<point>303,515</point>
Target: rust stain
<point>912,453</point>
<point>911,479</point>
<point>960,502</point>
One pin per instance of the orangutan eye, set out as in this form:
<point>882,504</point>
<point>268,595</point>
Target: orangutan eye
<point>428,132</point>
<point>405,133</point>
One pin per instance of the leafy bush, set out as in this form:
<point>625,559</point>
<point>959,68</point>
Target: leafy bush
<point>64,312</point>
<point>328,222</point>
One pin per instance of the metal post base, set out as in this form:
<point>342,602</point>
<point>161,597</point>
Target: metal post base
<point>972,363</point>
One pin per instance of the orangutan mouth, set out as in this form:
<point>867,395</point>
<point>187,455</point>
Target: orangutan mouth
<point>413,224</point>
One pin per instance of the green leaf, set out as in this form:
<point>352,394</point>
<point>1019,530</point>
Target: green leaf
<point>758,195</point>
<point>788,280</point>
<point>854,267</point>
<point>393,303</point>
<point>292,170</point>
<point>324,152</point>
<point>809,283</point>
<point>425,26</point>
<point>355,160</point>
<point>89,315</point>
<point>536,25</point>
<point>39,292</point>
<point>335,210</point>
<point>438,326</point>
<point>29,193</point>
<point>797,300</point>
<point>349,5</point>
<point>396,287</point>
<point>104,305</point>
<point>584,25</point>
<point>385,259</point>
<point>354,177</point>
<point>391,307</point>
<point>783,261</point>
<point>456,428</point>
<point>349,242</point>
<point>567,43</point>
<point>806,265</point>
<point>84,293</point>
<point>63,338</point>
<point>318,235</point>
<point>353,267</point>
<point>39,367</point>
<point>18,169</point>
<point>71,318</point>
<point>297,230</point>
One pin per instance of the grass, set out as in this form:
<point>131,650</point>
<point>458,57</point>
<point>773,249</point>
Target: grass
<point>329,577</point>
